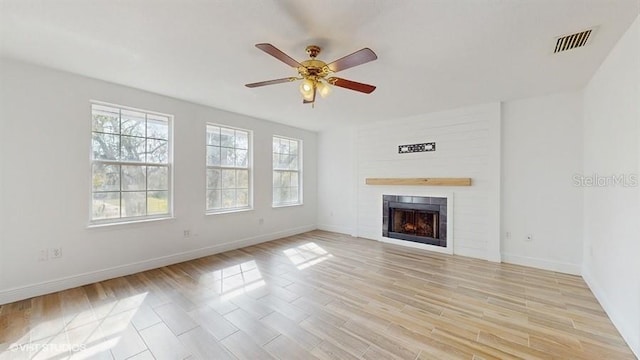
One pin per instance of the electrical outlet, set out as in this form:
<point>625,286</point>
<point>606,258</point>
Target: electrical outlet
<point>508,235</point>
<point>529,237</point>
<point>43,255</point>
<point>186,233</point>
<point>261,221</point>
<point>56,253</point>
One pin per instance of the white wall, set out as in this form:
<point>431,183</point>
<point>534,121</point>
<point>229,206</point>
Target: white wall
<point>541,152</point>
<point>612,213</point>
<point>46,185</point>
<point>468,145</point>
<point>3,150</point>
<point>337,180</point>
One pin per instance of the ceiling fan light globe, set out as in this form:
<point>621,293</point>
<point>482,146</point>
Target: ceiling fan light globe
<point>324,89</point>
<point>308,97</point>
<point>306,87</point>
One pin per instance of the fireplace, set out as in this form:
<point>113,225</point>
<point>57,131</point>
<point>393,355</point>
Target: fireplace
<point>415,218</point>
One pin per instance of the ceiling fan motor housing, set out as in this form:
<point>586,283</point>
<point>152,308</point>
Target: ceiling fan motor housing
<point>313,68</point>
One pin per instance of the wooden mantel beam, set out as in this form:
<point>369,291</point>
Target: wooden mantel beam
<point>420,181</point>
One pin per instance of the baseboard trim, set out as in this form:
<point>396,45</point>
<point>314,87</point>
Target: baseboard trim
<point>336,229</point>
<point>471,253</point>
<point>562,267</point>
<point>47,287</point>
<point>619,320</point>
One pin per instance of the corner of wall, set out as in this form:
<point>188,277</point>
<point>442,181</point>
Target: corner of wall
<point>493,249</point>
<point>623,323</point>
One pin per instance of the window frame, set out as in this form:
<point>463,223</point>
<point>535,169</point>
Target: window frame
<point>169,165</point>
<point>300,172</point>
<point>249,169</point>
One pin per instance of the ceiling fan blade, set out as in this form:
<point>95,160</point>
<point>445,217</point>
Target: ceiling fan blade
<point>351,85</point>
<point>357,58</point>
<point>271,82</point>
<point>276,53</point>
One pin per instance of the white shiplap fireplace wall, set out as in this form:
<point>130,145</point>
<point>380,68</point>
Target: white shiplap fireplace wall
<point>467,145</point>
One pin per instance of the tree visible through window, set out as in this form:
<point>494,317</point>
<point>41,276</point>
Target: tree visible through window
<point>131,169</point>
<point>287,180</point>
<point>228,169</point>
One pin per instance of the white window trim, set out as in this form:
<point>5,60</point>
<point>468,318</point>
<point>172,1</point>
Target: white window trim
<point>300,173</point>
<point>130,222</point>
<point>249,168</point>
<point>99,223</point>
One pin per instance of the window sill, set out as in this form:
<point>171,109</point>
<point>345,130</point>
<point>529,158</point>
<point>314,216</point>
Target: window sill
<point>127,222</point>
<point>286,205</point>
<point>229,211</point>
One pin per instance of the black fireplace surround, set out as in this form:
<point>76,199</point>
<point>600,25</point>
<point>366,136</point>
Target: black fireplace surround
<point>419,219</point>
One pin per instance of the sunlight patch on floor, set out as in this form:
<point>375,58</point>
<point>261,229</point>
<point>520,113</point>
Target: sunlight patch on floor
<point>80,336</point>
<point>307,255</point>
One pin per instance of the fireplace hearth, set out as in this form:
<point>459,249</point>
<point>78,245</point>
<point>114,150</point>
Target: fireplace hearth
<point>415,218</point>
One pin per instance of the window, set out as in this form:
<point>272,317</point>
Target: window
<point>287,171</point>
<point>228,169</point>
<point>130,164</point>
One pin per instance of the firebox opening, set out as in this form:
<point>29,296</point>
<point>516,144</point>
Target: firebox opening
<point>415,222</point>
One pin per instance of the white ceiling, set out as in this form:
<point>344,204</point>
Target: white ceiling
<point>432,55</point>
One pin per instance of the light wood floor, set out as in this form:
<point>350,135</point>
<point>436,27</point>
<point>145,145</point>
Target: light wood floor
<point>318,295</point>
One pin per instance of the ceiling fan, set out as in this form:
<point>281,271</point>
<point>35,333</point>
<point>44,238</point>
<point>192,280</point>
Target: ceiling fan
<point>315,74</point>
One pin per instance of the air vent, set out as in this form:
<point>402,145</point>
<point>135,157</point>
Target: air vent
<point>572,41</point>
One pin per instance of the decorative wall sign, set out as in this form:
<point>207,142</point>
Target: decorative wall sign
<point>413,148</point>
